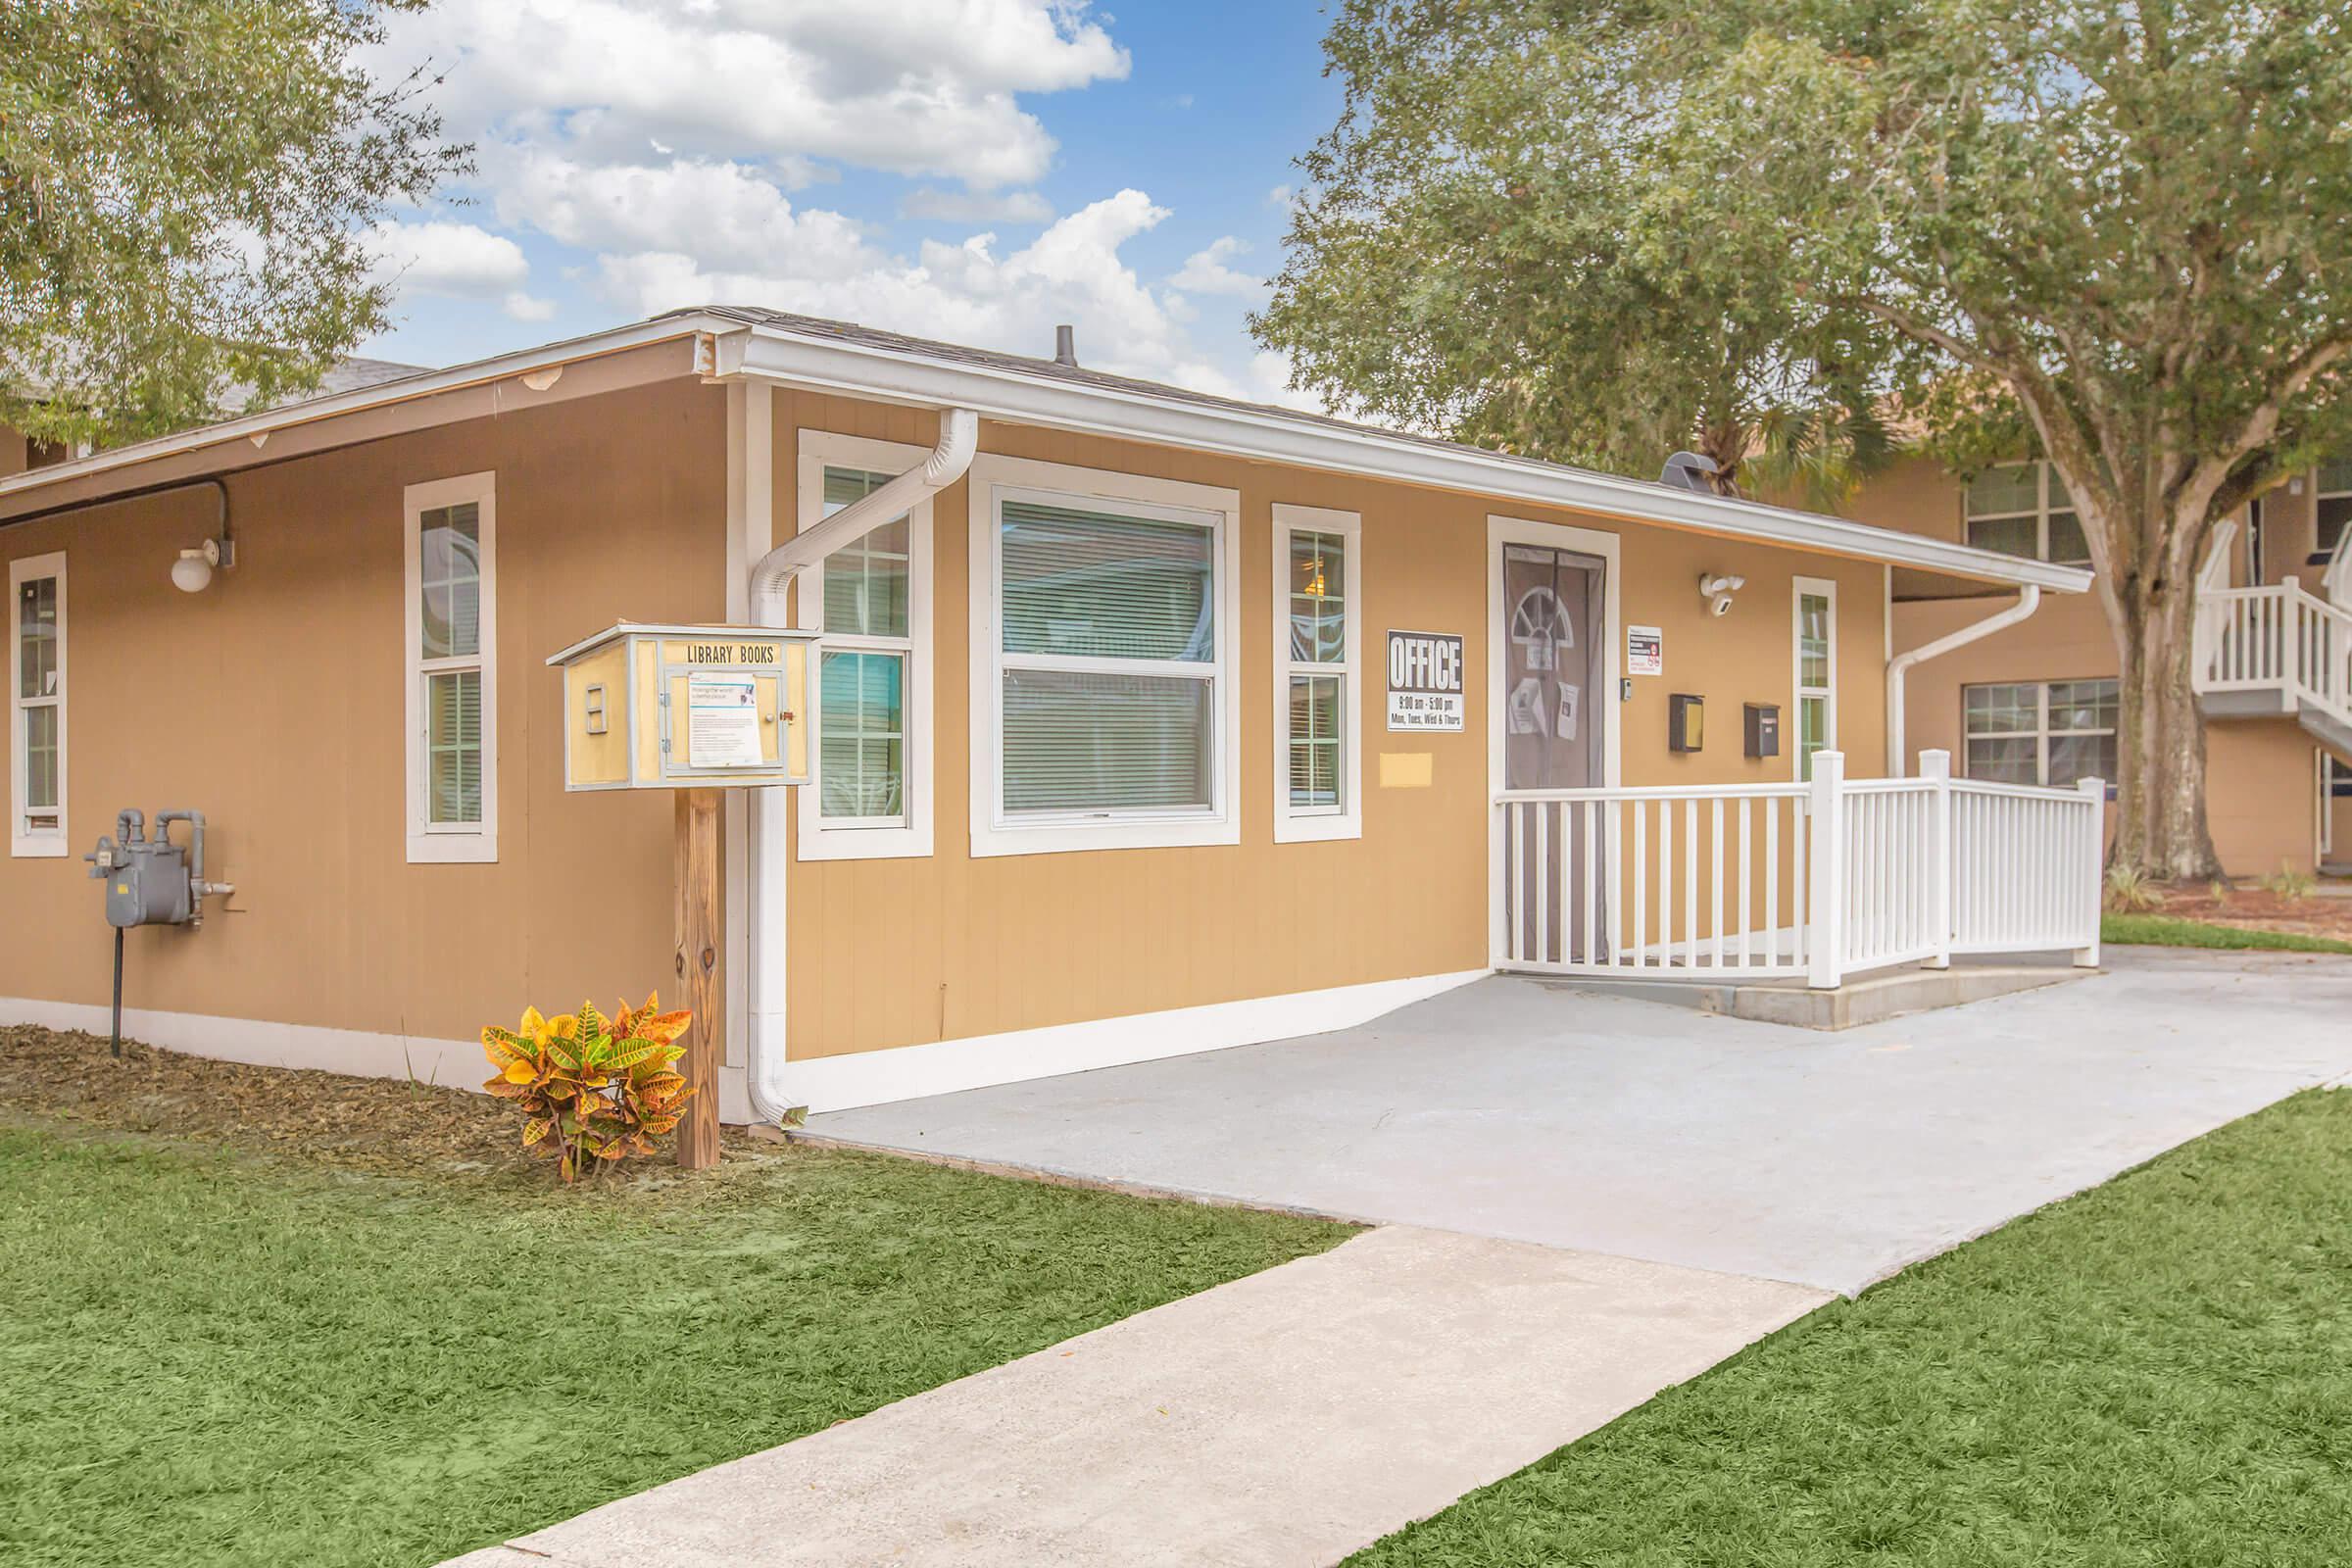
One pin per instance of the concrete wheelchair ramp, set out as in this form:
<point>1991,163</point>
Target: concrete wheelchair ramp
<point>1509,1109</point>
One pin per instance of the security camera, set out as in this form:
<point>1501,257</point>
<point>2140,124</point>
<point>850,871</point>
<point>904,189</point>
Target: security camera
<point>1717,591</point>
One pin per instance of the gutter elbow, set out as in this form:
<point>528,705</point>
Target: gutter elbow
<point>958,442</point>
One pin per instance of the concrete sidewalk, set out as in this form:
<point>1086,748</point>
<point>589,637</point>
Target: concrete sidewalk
<point>1595,1198</point>
<point>1287,1419</point>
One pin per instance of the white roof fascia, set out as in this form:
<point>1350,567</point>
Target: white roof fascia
<point>871,370</point>
<point>1270,435</point>
<point>406,389</point>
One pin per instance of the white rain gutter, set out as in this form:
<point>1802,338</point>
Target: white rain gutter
<point>2029,600</point>
<point>772,577</point>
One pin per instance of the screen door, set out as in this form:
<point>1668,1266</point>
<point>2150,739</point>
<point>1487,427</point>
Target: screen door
<point>1553,711</point>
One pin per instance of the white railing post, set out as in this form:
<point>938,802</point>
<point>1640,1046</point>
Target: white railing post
<point>1936,769</point>
<point>2094,791</point>
<point>1824,878</point>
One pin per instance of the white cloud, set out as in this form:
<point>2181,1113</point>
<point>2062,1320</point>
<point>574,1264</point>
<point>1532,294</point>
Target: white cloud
<point>728,213</point>
<point>965,293</point>
<point>976,207</point>
<point>920,88</point>
<point>656,147</point>
<point>437,257</point>
<point>1206,271</point>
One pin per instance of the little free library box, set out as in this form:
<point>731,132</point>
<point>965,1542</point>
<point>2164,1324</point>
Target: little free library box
<point>649,707</point>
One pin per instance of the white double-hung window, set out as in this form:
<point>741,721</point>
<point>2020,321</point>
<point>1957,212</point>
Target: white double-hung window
<point>1103,647</point>
<point>37,688</point>
<point>2332,508</point>
<point>872,705</point>
<point>1318,764</point>
<point>449,547</point>
<point>1814,642</point>
<point>2051,733</point>
<point>2022,508</point>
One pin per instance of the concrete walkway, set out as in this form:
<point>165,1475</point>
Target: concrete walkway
<point>1507,1109</point>
<point>1590,1198</point>
<point>1286,1419</point>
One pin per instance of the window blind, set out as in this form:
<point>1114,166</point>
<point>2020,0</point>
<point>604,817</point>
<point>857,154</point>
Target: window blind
<point>454,746</point>
<point>1314,740</point>
<point>1086,584</point>
<point>1076,741</point>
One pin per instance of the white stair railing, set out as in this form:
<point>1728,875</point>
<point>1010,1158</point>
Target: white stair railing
<point>2279,640</point>
<point>1817,880</point>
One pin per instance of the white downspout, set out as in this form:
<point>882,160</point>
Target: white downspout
<point>2029,600</point>
<point>772,577</point>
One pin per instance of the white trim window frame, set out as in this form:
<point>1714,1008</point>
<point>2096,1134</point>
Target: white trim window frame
<point>36,833</point>
<point>432,842</point>
<point>1297,822</point>
<point>992,482</point>
<point>1824,691</point>
<point>2329,481</point>
<point>907,833</point>
<point>2043,734</point>
<point>2049,500</point>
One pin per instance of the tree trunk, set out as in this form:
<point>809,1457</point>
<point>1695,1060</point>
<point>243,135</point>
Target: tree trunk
<point>2160,740</point>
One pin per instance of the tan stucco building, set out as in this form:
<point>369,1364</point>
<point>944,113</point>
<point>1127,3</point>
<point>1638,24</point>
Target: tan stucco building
<point>1167,724</point>
<point>2034,702</point>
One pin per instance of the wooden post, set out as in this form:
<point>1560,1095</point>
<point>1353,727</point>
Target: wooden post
<point>698,928</point>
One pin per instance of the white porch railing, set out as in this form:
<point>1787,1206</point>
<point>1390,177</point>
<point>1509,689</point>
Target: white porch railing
<point>2281,640</point>
<point>1817,880</point>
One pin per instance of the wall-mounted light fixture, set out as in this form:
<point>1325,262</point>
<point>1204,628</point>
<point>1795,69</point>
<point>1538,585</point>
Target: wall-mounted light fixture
<point>1717,590</point>
<point>192,572</point>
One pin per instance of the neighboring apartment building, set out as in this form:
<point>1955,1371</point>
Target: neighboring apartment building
<point>2037,702</point>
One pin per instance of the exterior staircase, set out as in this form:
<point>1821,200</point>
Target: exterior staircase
<point>2277,649</point>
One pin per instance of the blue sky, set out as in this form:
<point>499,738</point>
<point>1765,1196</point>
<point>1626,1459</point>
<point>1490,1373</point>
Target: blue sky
<point>976,169</point>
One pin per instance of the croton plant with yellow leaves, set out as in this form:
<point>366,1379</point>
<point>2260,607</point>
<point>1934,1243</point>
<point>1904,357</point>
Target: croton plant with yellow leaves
<point>590,1087</point>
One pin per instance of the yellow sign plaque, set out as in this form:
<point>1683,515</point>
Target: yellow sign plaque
<point>654,707</point>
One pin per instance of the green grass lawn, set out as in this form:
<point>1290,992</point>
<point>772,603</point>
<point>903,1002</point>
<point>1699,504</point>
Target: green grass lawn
<point>2156,1372</point>
<point>218,1358</point>
<point>2167,931</point>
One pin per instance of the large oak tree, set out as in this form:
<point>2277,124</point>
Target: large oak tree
<point>185,187</point>
<point>2121,233</point>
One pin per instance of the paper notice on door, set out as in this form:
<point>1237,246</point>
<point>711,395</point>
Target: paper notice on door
<point>1566,726</point>
<point>1527,706</point>
<point>722,721</point>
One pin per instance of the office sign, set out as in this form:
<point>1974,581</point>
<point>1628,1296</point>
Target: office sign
<point>1425,680</point>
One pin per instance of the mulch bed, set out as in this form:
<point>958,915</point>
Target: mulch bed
<point>2254,908</point>
<point>380,1123</point>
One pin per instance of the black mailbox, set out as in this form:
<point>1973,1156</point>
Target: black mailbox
<point>1686,722</point>
<point>1763,727</point>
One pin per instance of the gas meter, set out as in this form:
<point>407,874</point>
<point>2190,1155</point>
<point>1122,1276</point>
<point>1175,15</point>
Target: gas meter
<point>151,881</point>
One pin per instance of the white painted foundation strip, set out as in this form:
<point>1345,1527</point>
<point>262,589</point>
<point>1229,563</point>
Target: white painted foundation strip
<point>824,1082</point>
<point>944,1066</point>
<point>455,1063</point>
